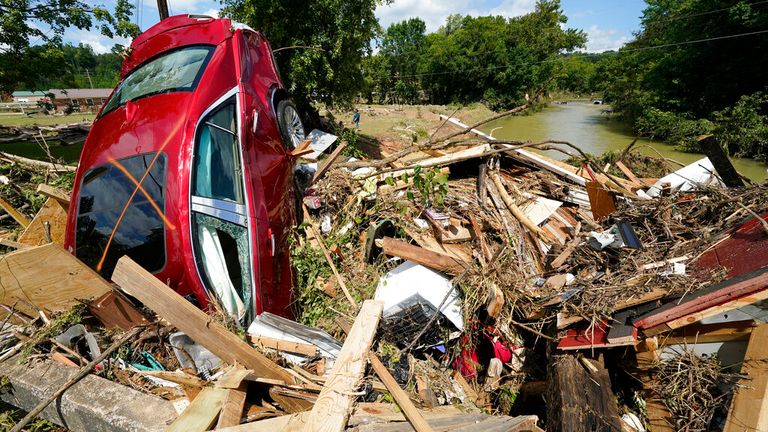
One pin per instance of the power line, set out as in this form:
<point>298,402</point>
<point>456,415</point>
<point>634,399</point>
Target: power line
<point>675,18</point>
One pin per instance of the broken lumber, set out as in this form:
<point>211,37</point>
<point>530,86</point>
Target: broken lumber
<point>18,217</point>
<point>304,349</point>
<point>52,192</point>
<point>58,287</point>
<point>515,210</point>
<point>334,404</point>
<point>723,166</point>
<point>749,408</point>
<point>630,175</point>
<point>401,397</point>
<point>201,414</point>
<point>232,409</point>
<point>427,258</point>
<point>328,258</point>
<point>168,304</point>
<point>325,165</point>
<point>52,214</point>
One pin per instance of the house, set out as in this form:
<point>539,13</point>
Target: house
<point>84,100</point>
<point>23,96</point>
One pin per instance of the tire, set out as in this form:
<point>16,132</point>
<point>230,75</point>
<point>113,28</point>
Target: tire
<point>290,124</point>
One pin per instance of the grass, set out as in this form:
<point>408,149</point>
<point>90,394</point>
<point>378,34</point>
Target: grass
<point>43,120</point>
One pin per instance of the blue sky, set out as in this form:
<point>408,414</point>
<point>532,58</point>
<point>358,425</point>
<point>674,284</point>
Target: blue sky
<point>608,23</point>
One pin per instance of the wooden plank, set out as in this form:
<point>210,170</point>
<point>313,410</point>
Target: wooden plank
<point>47,278</point>
<point>749,409</point>
<point>52,192</point>
<point>708,333</point>
<point>723,166</point>
<point>157,296</point>
<point>18,217</point>
<point>304,349</point>
<point>402,399</point>
<point>55,215</point>
<point>659,417</point>
<point>461,253</point>
<point>201,414</point>
<point>630,175</point>
<point>421,256</point>
<point>234,403</point>
<point>334,404</point>
<point>325,165</point>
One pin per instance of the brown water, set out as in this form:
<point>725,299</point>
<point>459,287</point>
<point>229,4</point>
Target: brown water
<point>583,125</point>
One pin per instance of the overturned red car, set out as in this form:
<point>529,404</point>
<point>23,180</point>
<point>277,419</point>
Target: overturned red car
<point>187,168</point>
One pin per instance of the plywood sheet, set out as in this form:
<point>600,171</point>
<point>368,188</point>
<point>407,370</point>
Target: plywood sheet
<point>53,213</point>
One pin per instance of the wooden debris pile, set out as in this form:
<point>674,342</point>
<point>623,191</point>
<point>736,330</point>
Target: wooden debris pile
<point>66,134</point>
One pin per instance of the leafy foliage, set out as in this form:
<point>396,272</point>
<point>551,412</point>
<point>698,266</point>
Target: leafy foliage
<point>339,33</point>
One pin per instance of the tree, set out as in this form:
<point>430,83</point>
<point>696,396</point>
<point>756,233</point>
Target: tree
<point>23,22</point>
<point>337,32</point>
<point>402,47</point>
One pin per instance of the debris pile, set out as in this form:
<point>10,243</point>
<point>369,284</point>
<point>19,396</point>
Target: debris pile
<point>473,283</point>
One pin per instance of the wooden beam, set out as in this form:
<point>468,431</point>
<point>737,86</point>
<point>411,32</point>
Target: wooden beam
<point>630,175</point>
<point>53,192</point>
<point>716,310</point>
<point>18,217</point>
<point>47,278</point>
<point>168,304</point>
<point>425,257</point>
<point>201,414</point>
<point>723,166</point>
<point>516,212</point>
<point>334,404</point>
<point>749,409</point>
<point>401,397</point>
<point>325,165</point>
<point>232,410</point>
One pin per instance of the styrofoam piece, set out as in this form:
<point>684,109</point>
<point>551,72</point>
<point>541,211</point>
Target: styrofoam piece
<point>540,209</point>
<point>698,174</point>
<point>410,279</point>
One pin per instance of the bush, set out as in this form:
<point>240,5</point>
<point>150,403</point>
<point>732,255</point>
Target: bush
<point>743,128</point>
<point>675,129</point>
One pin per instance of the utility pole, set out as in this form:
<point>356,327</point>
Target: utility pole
<point>88,74</point>
<point>162,7</point>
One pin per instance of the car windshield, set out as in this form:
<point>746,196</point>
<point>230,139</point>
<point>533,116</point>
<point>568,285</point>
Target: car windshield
<point>178,70</point>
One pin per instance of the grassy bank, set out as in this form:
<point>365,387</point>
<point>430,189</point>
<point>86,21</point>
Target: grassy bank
<point>43,120</point>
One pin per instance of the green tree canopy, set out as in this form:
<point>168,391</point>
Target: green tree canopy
<point>339,33</point>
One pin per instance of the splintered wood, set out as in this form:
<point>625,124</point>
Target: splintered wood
<point>333,406</point>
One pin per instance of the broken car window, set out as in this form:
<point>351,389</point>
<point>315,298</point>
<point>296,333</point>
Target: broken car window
<point>178,70</point>
<point>140,232</point>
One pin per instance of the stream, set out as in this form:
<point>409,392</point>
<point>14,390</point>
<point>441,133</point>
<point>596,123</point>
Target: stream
<point>584,125</point>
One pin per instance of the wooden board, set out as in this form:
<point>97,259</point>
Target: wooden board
<point>716,310</point>
<point>659,417</point>
<point>304,349</point>
<point>708,333</point>
<point>157,296</point>
<point>630,175</point>
<point>461,253</point>
<point>401,397</point>
<point>56,216</point>
<point>47,278</point>
<point>334,404</point>
<point>53,192</point>
<point>425,257</point>
<point>18,217</point>
<point>201,414</point>
<point>232,409</point>
<point>749,409</point>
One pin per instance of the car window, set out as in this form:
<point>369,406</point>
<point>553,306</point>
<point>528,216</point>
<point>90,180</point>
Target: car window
<point>116,218</point>
<point>217,169</point>
<point>178,70</point>
<point>223,260</point>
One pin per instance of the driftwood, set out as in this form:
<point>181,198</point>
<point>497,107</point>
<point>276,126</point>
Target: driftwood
<point>38,163</point>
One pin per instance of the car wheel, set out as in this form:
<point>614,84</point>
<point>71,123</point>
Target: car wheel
<point>289,122</point>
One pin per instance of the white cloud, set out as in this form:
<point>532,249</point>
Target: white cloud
<point>212,12</point>
<point>434,12</point>
<point>599,40</point>
<point>100,43</point>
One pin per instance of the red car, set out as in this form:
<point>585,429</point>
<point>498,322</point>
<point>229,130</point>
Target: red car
<point>187,168</point>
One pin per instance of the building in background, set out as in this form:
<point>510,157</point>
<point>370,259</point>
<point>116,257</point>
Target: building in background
<point>83,100</point>
<point>23,96</point>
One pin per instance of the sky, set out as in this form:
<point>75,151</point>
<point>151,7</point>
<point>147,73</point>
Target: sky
<point>608,23</point>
